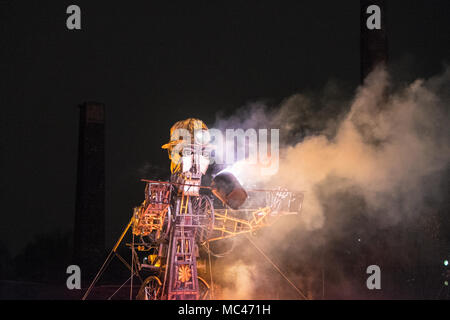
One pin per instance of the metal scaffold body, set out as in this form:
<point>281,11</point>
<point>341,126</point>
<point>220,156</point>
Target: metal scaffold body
<point>176,221</point>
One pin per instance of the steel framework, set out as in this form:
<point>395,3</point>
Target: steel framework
<point>172,225</point>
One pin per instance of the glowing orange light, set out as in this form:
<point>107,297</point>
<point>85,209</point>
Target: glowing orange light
<point>184,273</point>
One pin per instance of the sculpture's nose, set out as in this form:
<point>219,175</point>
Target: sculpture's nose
<point>195,169</point>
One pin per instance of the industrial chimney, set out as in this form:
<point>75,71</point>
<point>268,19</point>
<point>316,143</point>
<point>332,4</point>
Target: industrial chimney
<point>373,40</point>
<point>89,233</point>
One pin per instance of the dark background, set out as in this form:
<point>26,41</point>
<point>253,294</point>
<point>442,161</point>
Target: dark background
<point>154,63</point>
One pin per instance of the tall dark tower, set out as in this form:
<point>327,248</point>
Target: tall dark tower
<point>373,42</point>
<point>89,234</point>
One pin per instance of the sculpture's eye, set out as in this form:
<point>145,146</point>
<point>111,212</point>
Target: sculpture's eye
<point>187,151</point>
<point>206,152</point>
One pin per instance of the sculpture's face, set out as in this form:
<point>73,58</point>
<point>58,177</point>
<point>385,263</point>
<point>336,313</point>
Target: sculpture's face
<point>194,164</point>
<point>189,154</point>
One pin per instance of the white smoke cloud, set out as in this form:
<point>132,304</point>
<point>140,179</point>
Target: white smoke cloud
<point>240,282</point>
<point>384,145</point>
<point>382,148</point>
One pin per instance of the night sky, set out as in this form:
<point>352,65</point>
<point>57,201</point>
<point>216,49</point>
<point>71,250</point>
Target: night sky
<point>154,63</point>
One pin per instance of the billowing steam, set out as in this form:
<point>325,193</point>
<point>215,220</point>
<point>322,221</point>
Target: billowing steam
<point>382,148</point>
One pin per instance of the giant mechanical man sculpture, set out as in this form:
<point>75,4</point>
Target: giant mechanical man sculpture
<point>178,219</point>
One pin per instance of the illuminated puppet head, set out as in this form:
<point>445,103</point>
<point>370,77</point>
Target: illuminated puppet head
<point>189,152</point>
